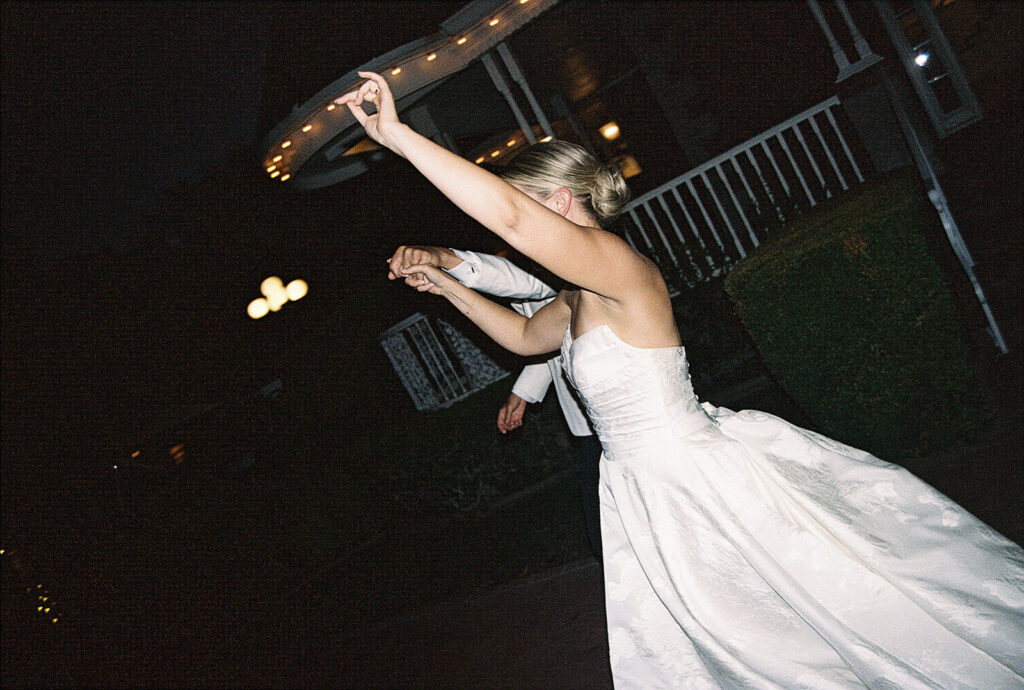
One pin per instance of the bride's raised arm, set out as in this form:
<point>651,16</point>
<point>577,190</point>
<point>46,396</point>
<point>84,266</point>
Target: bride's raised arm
<point>554,231</point>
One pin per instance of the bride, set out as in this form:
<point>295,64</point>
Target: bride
<point>739,550</point>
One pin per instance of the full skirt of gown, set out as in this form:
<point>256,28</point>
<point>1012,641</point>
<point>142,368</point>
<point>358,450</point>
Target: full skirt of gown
<point>741,551</point>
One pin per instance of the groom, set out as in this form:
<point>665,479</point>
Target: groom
<point>502,278</point>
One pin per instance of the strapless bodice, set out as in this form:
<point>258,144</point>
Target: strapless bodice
<point>638,399</point>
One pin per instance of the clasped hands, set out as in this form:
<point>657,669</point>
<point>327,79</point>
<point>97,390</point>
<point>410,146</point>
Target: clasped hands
<point>420,267</point>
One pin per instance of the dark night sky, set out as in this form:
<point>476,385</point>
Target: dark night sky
<point>106,104</point>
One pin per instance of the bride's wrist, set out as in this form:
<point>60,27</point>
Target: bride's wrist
<point>392,136</point>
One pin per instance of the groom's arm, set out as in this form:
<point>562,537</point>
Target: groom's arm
<point>533,383</point>
<point>483,272</point>
<point>497,276</point>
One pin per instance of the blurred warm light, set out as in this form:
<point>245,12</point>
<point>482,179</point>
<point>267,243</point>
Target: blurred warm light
<point>296,289</point>
<point>921,59</point>
<point>135,454</point>
<point>523,2</point>
<point>395,71</point>
<point>495,153</point>
<point>331,106</point>
<point>276,158</point>
<point>272,168</point>
<point>480,160</point>
<point>286,144</point>
<point>510,142</point>
<point>628,165</point>
<point>610,131</point>
<point>258,308</point>
<point>271,284</point>
<point>276,300</point>
<point>307,128</point>
<point>545,139</point>
<point>275,173</point>
<point>461,41</point>
<point>432,56</point>
<point>493,21</point>
<point>285,177</point>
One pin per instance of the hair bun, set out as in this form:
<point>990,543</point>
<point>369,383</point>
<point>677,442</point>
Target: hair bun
<point>610,193</point>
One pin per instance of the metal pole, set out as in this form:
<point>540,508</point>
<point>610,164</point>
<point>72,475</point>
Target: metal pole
<point>938,199</point>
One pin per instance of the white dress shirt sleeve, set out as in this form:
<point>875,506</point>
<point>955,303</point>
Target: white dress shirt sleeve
<point>497,276</point>
<point>533,383</point>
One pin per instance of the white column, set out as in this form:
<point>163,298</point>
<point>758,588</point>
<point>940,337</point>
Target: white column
<point>502,85</point>
<point>837,50</point>
<point>517,75</point>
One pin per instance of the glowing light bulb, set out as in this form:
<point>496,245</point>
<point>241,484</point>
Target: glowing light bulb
<point>331,106</point>
<point>545,139</point>
<point>307,128</point>
<point>285,177</point>
<point>479,160</point>
<point>921,59</point>
<point>395,71</point>
<point>431,57</point>
<point>495,153</point>
<point>610,131</point>
<point>296,290</point>
<point>272,168</point>
<point>258,308</point>
<point>276,158</point>
<point>493,22</point>
<point>275,174</point>
<point>286,144</point>
<point>271,284</point>
<point>461,41</point>
<point>276,300</point>
<point>510,143</point>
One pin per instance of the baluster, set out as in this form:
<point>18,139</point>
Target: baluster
<point>694,229</point>
<point>842,140</point>
<point>828,152</point>
<point>721,211</point>
<point>810,159</point>
<point>736,203</point>
<point>796,169</point>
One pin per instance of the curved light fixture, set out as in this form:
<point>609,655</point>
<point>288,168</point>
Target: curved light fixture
<point>309,146</point>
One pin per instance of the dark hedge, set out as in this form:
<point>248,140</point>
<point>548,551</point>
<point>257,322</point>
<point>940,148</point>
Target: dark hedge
<point>856,321</point>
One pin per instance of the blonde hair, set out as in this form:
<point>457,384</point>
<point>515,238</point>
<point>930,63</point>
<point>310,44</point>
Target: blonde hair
<point>547,167</point>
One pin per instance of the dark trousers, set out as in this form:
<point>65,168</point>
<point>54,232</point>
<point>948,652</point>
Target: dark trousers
<point>589,449</point>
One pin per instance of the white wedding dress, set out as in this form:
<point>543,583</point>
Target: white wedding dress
<point>741,551</point>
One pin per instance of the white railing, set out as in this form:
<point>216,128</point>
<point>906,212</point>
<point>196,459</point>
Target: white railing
<point>701,223</point>
<point>437,365</point>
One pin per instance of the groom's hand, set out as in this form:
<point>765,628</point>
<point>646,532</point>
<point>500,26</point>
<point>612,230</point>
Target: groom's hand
<point>510,416</point>
<point>404,257</point>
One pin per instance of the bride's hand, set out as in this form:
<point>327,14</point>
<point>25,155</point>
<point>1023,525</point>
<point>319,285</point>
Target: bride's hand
<point>375,90</point>
<point>412,256</point>
<point>426,278</point>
